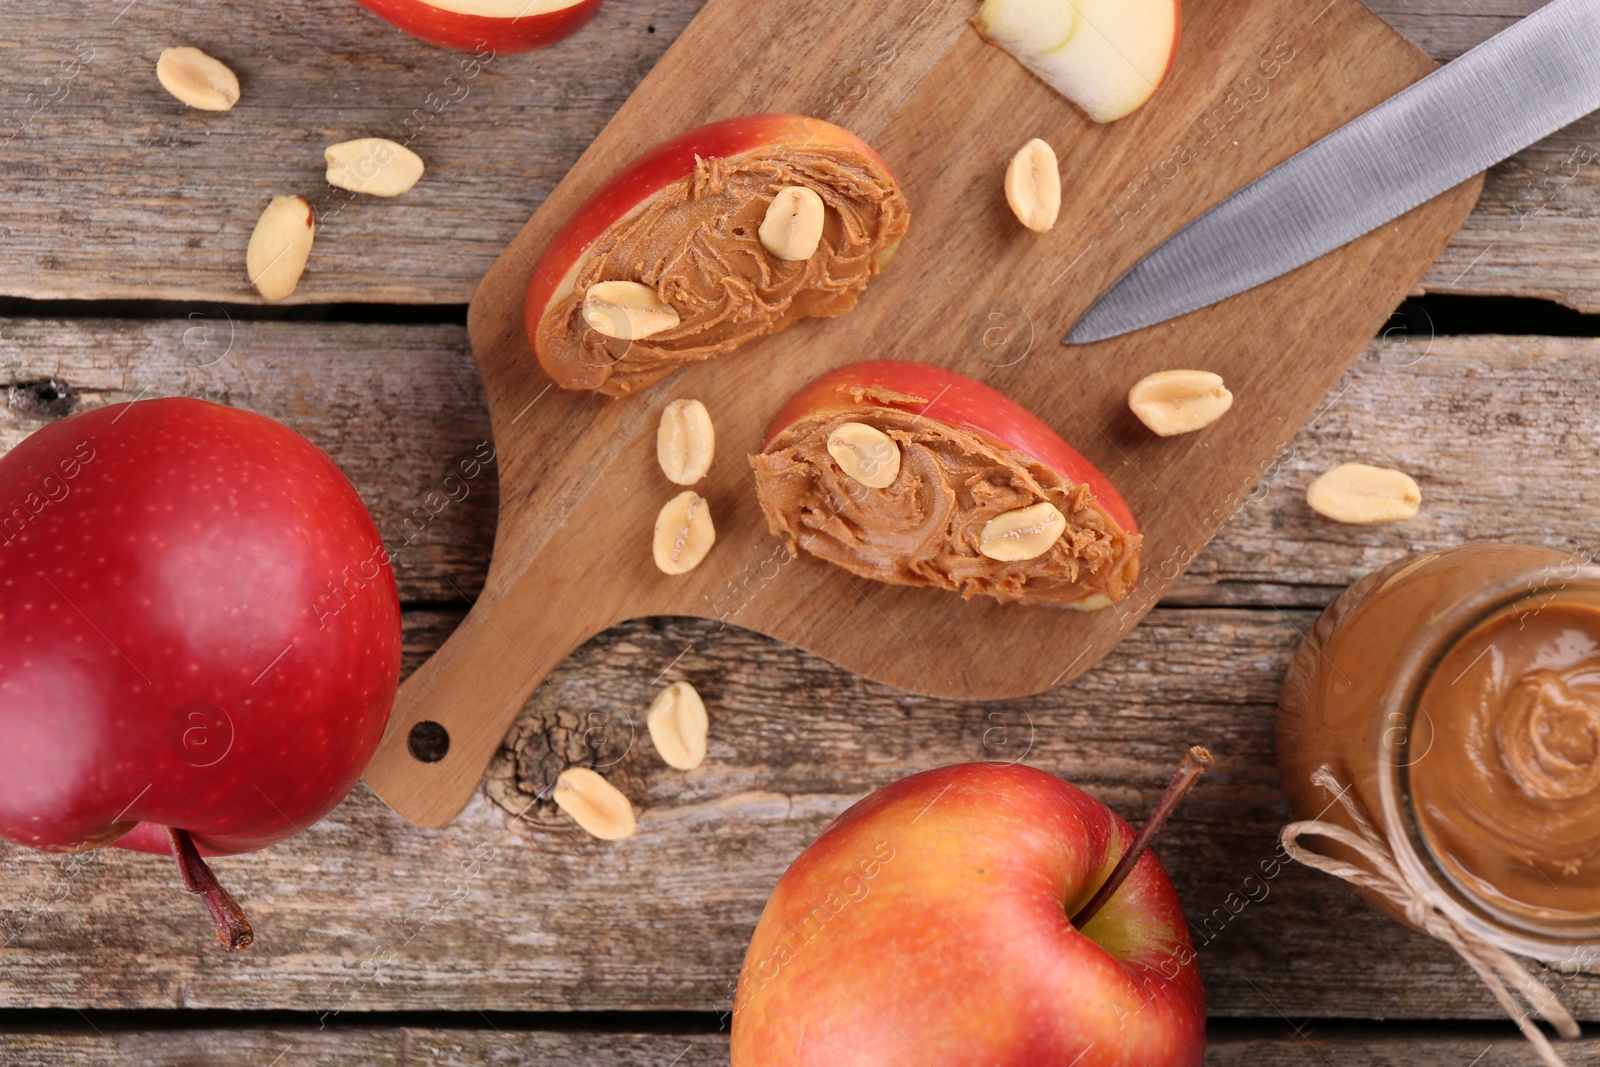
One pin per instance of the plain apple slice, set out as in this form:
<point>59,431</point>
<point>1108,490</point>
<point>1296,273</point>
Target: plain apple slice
<point>1027,27</point>
<point>1114,57</point>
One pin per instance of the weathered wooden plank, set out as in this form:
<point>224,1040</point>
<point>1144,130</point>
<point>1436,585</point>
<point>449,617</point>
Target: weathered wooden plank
<point>524,912</point>
<point>400,408</point>
<point>533,915</point>
<point>388,1047</point>
<point>1446,28</point>
<point>400,1047</point>
<point>1503,434</point>
<point>113,190</point>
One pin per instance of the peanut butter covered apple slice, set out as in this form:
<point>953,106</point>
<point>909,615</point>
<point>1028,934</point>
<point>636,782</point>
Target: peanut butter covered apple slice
<point>915,475</point>
<point>728,233</point>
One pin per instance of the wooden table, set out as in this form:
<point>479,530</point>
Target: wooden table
<point>510,936</point>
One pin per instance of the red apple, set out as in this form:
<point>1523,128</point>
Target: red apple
<point>557,270</point>
<point>199,632</point>
<point>929,924</point>
<point>499,25</point>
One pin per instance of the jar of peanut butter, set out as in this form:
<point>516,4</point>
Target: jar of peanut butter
<point>1457,696</point>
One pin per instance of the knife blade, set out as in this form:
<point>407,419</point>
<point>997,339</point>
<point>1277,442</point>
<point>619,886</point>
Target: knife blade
<point>1513,90</point>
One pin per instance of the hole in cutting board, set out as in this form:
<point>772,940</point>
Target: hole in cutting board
<point>429,742</point>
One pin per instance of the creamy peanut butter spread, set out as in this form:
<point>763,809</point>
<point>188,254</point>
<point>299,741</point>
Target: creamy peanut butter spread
<point>925,528</point>
<point>1508,791</point>
<point>696,243</point>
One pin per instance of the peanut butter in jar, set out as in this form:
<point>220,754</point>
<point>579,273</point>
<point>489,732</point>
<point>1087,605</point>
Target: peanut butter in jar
<point>1457,695</point>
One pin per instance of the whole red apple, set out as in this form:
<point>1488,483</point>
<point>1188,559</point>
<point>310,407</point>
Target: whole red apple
<point>199,633</point>
<point>929,924</point>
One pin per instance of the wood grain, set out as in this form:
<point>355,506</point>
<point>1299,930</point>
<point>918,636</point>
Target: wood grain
<point>365,912</point>
<point>398,407</point>
<point>116,191</point>
<point>579,483</point>
<point>503,911</point>
<point>397,1047</point>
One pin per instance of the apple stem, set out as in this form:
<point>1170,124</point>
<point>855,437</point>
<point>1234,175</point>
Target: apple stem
<point>1195,762</point>
<point>233,929</point>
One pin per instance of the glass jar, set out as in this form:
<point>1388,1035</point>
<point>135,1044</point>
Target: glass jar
<point>1457,695</point>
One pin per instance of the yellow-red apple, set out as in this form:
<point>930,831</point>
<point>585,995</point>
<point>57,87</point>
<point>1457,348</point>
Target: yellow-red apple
<point>930,923</point>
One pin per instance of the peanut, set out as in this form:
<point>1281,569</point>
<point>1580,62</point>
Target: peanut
<point>1173,402</point>
<point>678,726</point>
<point>280,246</point>
<point>1359,494</point>
<point>372,165</point>
<point>683,534</point>
<point>685,441</point>
<point>865,453</point>
<point>792,229</point>
<point>1026,533</point>
<point>627,311</point>
<point>197,79</point>
<point>1033,186</point>
<point>594,804</point>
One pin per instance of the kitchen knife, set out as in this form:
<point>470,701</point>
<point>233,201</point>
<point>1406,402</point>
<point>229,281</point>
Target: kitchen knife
<point>1513,90</point>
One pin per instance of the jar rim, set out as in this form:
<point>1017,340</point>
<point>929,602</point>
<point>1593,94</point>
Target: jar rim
<point>1554,942</point>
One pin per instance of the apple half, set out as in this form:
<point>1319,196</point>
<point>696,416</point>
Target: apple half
<point>929,924</point>
<point>753,140</point>
<point>963,456</point>
<point>500,25</point>
<point>1106,56</point>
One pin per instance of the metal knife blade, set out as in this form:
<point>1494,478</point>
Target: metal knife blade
<point>1516,88</point>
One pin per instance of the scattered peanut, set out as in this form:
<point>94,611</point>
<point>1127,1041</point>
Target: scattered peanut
<point>792,229</point>
<point>594,804</point>
<point>685,441</point>
<point>1359,494</point>
<point>280,246</point>
<point>373,165</point>
<point>1172,402</point>
<point>197,79</point>
<point>678,726</point>
<point>1033,186</point>
<point>1026,533</point>
<point>866,454</point>
<point>627,311</point>
<point>684,533</point>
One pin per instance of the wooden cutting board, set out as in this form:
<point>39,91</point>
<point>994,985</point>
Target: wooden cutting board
<point>1253,82</point>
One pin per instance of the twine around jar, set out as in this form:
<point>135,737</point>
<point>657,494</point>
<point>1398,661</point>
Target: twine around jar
<point>1499,970</point>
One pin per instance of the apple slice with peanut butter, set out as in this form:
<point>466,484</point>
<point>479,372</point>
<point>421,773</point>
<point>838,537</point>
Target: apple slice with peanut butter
<point>914,475</point>
<point>729,233</point>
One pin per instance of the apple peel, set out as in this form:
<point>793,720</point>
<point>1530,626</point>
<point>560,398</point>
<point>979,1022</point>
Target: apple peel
<point>486,26</point>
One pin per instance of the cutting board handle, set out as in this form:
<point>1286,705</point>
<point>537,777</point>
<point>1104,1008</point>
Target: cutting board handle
<point>492,662</point>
